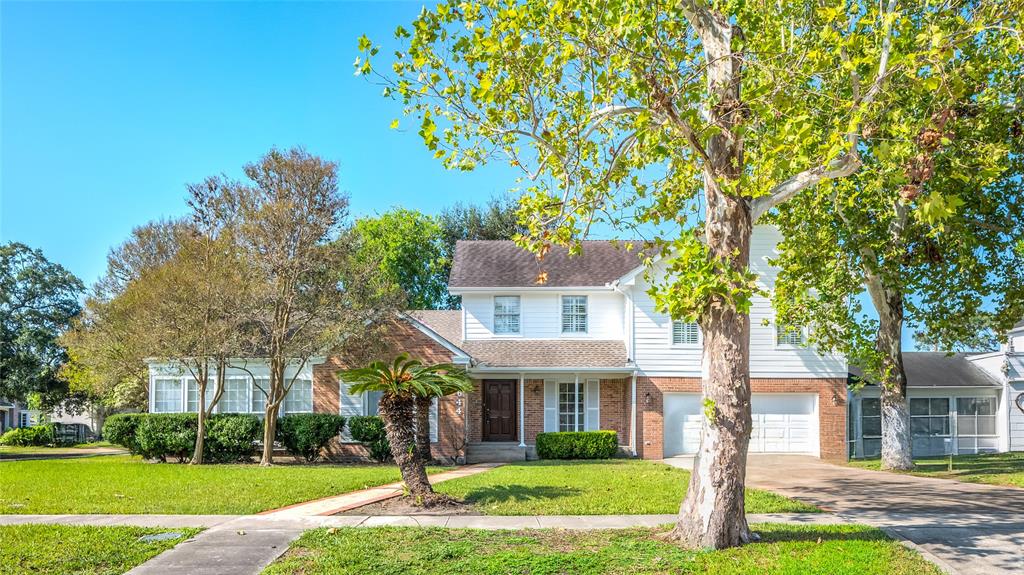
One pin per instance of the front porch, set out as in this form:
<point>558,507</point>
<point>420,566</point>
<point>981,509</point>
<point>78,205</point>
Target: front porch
<point>506,410</point>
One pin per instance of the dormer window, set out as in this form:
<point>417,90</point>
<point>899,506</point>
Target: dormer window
<point>506,314</point>
<point>574,314</point>
<point>685,333</point>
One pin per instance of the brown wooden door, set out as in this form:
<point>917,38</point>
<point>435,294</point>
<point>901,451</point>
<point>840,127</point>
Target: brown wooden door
<point>499,409</point>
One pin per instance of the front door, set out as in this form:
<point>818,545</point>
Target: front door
<point>499,409</point>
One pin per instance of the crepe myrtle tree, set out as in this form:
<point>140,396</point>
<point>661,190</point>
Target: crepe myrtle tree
<point>686,121</point>
<point>931,226</point>
<point>401,383</point>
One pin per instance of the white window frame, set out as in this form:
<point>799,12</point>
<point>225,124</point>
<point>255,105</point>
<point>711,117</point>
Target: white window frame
<point>948,415</point>
<point>586,314</point>
<point>995,415</point>
<point>182,394</point>
<point>785,344</point>
<point>672,334</point>
<point>284,404</point>
<point>518,315</point>
<point>221,405</point>
<point>579,401</point>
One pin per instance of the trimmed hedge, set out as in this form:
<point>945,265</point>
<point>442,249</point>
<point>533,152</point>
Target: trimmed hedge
<point>577,445</point>
<point>120,429</point>
<point>35,436</point>
<point>164,435</point>
<point>369,430</point>
<point>231,437</point>
<point>307,434</point>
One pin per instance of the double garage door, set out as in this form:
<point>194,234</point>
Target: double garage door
<point>783,423</point>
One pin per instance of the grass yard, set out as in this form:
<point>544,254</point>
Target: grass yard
<point>833,550</point>
<point>124,484</point>
<point>607,487</point>
<point>77,550</point>
<point>993,468</point>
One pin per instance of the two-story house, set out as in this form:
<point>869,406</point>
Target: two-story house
<point>586,349</point>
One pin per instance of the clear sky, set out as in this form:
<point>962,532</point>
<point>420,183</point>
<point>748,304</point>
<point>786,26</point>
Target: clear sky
<point>110,108</point>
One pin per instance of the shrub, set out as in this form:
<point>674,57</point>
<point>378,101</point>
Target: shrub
<point>369,430</point>
<point>231,437</point>
<point>306,434</point>
<point>577,445</point>
<point>120,429</point>
<point>163,435</point>
<point>35,436</point>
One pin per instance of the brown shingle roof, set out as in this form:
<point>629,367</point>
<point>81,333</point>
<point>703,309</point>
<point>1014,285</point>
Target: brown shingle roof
<point>499,263</point>
<point>547,353</point>
<point>525,352</point>
<point>447,323</point>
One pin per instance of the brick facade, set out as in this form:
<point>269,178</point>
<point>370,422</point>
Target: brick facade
<point>831,409</point>
<point>399,337</point>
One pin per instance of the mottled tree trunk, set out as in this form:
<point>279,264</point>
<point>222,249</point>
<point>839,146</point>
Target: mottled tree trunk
<point>397,411</point>
<point>896,437</point>
<point>274,398</point>
<point>423,429</point>
<point>201,383</point>
<point>712,514</point>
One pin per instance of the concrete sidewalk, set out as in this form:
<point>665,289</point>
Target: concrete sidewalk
<point>63,453</point>
<point>246,544</point>
<point>250,523</point>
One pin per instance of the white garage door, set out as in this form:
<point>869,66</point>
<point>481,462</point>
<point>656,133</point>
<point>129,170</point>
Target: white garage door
<point>783,423</point>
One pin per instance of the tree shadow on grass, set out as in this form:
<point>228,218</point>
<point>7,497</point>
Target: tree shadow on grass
<point>518,493</point>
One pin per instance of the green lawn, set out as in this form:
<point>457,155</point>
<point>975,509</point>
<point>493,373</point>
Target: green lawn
<point>832,550</point>
<point>75,550</point>
<point>605,487</point>
<point>123,484</point>
<point>993,468</point>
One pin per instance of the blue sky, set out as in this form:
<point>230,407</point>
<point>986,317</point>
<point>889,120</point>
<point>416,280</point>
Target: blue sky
<point>110,108</point>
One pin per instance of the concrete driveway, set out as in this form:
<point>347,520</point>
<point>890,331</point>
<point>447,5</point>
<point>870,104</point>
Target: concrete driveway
<point>966,527</point>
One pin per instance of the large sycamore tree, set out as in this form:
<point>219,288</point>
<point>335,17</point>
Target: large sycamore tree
<point>689,119</point>
<point>931,227</point>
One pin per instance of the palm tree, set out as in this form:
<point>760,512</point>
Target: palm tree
<point>423,404</point>
<point>400,383</point>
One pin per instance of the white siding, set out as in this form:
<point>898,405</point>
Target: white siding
<point>542,315</point>
<point>656,356</point>
<point>1016,423</point>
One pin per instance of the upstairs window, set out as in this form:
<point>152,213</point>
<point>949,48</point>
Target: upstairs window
<point>685,333</point>
<point>506,314</point>
<point>574,314</point>
<point>785,335</point>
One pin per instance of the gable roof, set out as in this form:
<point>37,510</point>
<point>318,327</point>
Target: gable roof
<point>937,369</point>
<point>501,263</point>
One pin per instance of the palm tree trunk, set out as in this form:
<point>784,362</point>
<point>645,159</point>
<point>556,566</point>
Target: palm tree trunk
<point>397,413</point>
<point>423,405</point>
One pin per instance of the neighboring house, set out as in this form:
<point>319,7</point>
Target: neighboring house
<point>584,350</point>
<point>959,403</point>
<point>14,414</point>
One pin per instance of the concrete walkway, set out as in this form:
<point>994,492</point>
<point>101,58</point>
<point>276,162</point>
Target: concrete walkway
<point>347,501</point>
<point>966,528</point>
<point>62,453</point>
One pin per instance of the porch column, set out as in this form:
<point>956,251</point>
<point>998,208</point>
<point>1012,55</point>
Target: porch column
<point>522,416</point>
<point>632,414</point>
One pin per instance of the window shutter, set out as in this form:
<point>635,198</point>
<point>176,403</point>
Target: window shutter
<point>349,405</point>
<point>550,406</point>
<point>593,404</point>
<point>433,419</point>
